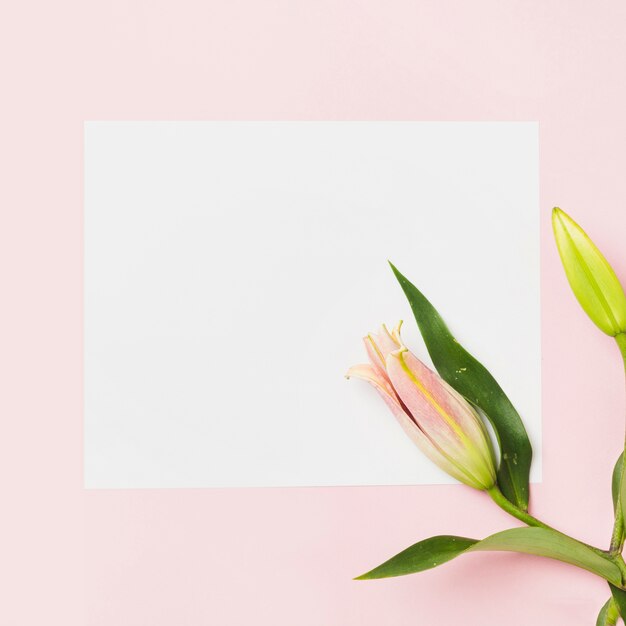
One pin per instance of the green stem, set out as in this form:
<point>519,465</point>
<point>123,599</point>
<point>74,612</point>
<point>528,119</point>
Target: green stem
<point>617,537</point>
<point>498,497</point>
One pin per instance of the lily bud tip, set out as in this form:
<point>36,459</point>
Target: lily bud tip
<point>590,276</point>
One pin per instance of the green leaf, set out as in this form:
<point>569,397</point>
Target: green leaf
<point>619,597</point>
<point>553,545</point>
<point>616,478</point>
<point>538,541</point>
<point>472,380</point>
<point>608,614</point>
<point>421,556</point>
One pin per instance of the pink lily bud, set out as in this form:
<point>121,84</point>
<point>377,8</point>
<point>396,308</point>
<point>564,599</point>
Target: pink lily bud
<point>442,423</point>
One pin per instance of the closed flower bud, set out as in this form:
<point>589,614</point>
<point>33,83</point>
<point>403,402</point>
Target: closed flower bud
<point>590,276</point>
<point>440,421</point>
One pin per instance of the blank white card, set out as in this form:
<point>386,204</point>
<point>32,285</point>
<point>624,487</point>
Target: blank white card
<point>232,268</point>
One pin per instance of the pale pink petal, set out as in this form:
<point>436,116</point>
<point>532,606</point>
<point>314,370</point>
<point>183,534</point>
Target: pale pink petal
<point>422,394</point>
<point>445,417</point>
<point>375,356</point>
<point>379,345</point>
<point>368,373</point>
<point>431,451</point>
<point>386,342</point>
<point>453,403</point>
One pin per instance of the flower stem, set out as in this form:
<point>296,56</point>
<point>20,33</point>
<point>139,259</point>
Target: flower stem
<point>617,537</point>
<point>498,497</point>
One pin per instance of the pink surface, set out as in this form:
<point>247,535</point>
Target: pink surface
<point>285,557</point>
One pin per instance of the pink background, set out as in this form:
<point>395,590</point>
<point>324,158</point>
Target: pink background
<point>284,557</point>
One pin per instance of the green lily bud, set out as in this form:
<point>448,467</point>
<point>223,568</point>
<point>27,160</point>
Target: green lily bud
<point>590,276</point>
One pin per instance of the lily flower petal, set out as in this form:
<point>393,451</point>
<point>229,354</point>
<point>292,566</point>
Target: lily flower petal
<point>368,373</point>
<point>448,420</point>
<point>379,345</point>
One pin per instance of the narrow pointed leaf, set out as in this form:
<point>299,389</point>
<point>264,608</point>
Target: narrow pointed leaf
<point>619,597</point>
<point>538,541</point>
<point>608,614</point>
<point>421,556</point>
<point>472,380</point>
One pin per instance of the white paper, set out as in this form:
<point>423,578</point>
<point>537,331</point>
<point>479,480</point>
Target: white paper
<point>231,269</point>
